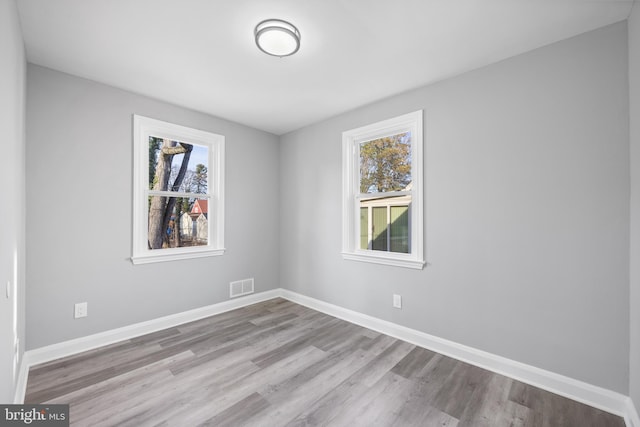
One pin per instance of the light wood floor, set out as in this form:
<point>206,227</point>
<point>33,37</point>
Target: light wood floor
<point>280,364</point>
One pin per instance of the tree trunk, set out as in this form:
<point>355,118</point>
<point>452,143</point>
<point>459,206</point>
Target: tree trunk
<point>171,204</point>
<point>178,226</point>
<point>158,203</point>
<point>161,209</point>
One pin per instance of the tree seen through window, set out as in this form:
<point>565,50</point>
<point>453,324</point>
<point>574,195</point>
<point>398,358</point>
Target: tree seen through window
<point>177,168</point>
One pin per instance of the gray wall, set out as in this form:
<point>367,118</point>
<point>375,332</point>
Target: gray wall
<point>12,188</point>
<point>634,82</point>
<point>79,184</point>
<point>527,211</point>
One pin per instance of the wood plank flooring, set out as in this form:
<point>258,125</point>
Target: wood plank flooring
<point>280,364</point>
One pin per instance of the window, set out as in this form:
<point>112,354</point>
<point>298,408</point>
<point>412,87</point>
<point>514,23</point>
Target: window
<point>382,192</point>
<point>178,206</point>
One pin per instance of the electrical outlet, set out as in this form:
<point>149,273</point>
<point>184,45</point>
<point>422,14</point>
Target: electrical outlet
<point>80,310</point>
<point>397,301</point>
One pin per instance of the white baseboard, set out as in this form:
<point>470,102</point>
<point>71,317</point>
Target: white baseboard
<point>595,396</point>
<point>632,419</point>
<point>591,395</point>
<point>78,345</point>
<point>21,383</point>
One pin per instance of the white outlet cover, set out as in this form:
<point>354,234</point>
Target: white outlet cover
<point>80,310</point>
<point>397,301</point>
<point>8,289</point>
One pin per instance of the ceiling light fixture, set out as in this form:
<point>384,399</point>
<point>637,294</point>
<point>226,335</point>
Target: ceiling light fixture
<point>277,37</point>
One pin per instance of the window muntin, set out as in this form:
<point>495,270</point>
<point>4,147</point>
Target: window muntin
<point>382,200</point>
<point>178,192</point>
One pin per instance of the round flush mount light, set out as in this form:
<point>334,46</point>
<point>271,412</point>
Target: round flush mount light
<point>277,37</point>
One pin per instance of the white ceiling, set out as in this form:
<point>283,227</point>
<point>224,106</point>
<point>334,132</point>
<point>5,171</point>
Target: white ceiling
<point>201,53</point>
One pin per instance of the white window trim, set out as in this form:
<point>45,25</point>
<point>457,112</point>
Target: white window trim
<point>143,127</point>
<point>351,188</point>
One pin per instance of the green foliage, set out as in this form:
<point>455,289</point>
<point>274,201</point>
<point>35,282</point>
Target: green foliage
<point>200,179</point>
<point>385,164</point>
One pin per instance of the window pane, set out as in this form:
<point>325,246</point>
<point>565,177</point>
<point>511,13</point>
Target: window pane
<point>399,232</point>
<point>364,228</point>
<point>379,232</point>
<point>186,225</point>
<point>177,166</point>
<point>385,164</point>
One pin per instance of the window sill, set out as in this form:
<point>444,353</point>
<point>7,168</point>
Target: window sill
<point>172,255</point>
<point>385,260</point>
